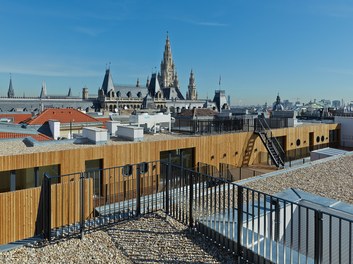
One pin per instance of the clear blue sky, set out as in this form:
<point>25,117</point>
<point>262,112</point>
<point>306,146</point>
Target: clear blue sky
<point>301,49</point>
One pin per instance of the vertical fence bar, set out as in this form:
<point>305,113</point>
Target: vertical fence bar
<point>138,190</point>
<point>191,197</point>
<point>240,223</point>
<point>82,204</point>
<point>167,177</point>
<point>47,212</point>
<point>318,237</point>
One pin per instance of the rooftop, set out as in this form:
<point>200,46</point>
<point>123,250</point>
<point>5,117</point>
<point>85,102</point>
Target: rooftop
<point>331,178</point>
<point>154,238</point>
<point>63,115</point>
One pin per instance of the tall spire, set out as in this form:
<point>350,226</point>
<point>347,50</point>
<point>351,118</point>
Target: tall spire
<point>10,92</point>
<point>168,73</point>
<point>192,95</point>
<point>43,92</point>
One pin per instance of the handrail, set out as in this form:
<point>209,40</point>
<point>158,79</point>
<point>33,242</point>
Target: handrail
<point>269,138</point>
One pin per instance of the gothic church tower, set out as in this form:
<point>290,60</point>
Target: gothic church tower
<point>168,73</point>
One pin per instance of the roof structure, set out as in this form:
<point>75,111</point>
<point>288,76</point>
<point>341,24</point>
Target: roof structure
<point>14,117</point>
<point>38,137</point>
<point>198,112</point>
<point>107,82</point>
<point>63,115</point>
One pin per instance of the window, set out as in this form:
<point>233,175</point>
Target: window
<point>52,170</point>
<point>5,181</point>
<point>25,178</point>
<point>94,171</point>
<point>298,142</point>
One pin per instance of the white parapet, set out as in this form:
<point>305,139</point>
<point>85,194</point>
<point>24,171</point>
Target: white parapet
<point>112,127</point>
<point>150,122</point>
<point>130,133</point>
<point>95,135</point>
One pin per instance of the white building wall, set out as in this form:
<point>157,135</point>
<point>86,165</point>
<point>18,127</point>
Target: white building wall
<point>346,130</point>
<point>54,128</point>
<point>94,134</point>
<point>130,133</point>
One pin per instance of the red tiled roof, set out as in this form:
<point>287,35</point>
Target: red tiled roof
<point>63,115</point>
<point>17,118</point>
<point>38,137</point>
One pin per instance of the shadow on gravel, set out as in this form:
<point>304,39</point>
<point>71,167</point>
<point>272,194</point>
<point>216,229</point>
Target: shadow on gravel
<point>156,238</point>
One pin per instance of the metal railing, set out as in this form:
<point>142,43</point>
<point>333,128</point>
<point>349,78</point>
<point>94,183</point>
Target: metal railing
<point>265,132</point>
<point>272,229</point>
<point>213,126</point>
<point>89,200</point>
<point>256,226</point>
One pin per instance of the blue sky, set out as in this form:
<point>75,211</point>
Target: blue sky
<point>301,49</point>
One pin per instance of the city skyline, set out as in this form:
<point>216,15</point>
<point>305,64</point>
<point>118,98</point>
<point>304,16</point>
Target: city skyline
<point>301,50</point>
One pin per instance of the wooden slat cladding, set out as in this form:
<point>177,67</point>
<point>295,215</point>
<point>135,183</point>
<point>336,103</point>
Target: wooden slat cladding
<point>19,214</point>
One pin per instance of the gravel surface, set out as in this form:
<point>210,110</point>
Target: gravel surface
<point>332,179</point>
<point>17,146</point>
<point>154,238</point>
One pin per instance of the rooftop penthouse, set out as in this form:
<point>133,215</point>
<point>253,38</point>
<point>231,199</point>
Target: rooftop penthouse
<point>88,187</point>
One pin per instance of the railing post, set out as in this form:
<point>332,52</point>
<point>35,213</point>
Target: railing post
<point>167,179</point>
<point>47,207</point>
<point>191,198</point>
<point>138,190</point>
<point>240,223</point>
<point>82,204</point>
<point>318,237</point>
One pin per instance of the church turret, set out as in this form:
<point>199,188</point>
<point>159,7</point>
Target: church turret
<point>85,93</point>
<point>148,81</point>
<point>69,94</point>
<point>43,91</point>
<point>176,81</point>
<point>10,92</point>
<point>192,95</point>
<point>138,82</point>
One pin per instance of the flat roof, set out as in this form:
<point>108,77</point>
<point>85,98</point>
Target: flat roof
<point>330,177</point>
<point>17,146</point>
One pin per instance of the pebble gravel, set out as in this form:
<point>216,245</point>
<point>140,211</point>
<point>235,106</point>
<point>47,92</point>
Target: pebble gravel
<point>154,238</point>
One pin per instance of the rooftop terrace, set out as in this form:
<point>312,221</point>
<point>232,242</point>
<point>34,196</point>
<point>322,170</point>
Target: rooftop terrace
<point>155,238</point>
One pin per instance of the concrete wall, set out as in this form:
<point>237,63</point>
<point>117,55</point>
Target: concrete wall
<point>95,135</point>
<point>130,133</point>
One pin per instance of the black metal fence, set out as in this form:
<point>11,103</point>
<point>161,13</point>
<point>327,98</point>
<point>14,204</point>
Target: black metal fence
<point>212,126</point>
<point>86,201</point>
<point>256,226</point>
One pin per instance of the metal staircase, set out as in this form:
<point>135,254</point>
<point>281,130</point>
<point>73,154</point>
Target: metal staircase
<point>272,145</point>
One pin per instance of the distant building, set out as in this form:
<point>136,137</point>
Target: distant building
<point>161,92</point>
<point>278,106</point>
<point>336,103</point>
